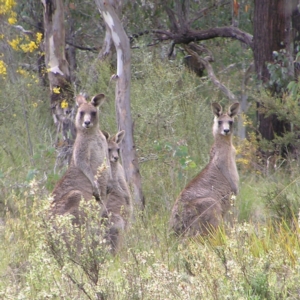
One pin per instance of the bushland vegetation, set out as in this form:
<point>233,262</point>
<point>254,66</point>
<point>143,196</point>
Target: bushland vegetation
<point>255,255</point>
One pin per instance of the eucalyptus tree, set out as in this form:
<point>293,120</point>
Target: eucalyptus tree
<point>275,28</point>
<point>58,71</point>
<point>274,33</point>
<point>118,36</point>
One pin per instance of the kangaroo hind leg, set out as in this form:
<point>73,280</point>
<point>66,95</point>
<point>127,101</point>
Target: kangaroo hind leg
<point>202,216</point>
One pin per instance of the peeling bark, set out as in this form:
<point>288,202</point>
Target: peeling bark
<point>58,72</point>
<point>108,44</point>
<point>123,111</point>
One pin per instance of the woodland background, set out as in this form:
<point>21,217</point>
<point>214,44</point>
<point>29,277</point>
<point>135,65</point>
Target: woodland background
<point>184,56</point>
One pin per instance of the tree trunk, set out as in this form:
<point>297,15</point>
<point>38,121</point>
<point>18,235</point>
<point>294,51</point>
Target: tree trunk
<point>70,48</point>
<point>61,94</point>
<point>123,112</point>
<point>296,33</point>
<point>108,44</point>
<point>272,31</point>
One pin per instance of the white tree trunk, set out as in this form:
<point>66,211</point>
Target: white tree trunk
<point>123,111</point>
<point>58,74</point>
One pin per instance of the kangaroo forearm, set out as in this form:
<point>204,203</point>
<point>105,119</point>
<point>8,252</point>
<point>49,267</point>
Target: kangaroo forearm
<point>234,187</point>
<point>124,186</point>
<point>230,177</point>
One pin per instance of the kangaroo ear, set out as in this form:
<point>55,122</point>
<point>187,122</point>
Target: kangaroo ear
<point>119,136</point>
<point>233,109</point>
<point>217,109</point>
<point>98,100</point>
<point>80,99</point>
<point>106,134</point>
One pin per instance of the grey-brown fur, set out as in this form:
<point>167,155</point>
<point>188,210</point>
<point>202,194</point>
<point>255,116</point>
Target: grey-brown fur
<point>90,152</point>
<point>203,203</point>
<point>118,208</point>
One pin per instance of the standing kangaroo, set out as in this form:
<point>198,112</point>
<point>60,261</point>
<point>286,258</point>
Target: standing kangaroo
<point>118,207</point>
<point>205,200</point>
<point>90,153</point>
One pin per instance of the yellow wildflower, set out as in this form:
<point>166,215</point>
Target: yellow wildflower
<point>2,68</point>
<point>39,37</point>
<point>56,90</point>
<point>9,4</point>
<point>243,161</point>
<point>15,44</point>
<point>64,104</point>
<point>23,72</point>
<point>6,7</point>
<point>34,105</point>
<point>30,47</point>
<point>12,20</point>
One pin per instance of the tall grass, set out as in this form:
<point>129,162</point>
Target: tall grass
<point>249,261</point>
<point>256,256</point>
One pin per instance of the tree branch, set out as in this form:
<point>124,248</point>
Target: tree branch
<point>189,35</point>
<point>212,75</point>
<point>172,19</point>
<point>93,49</point>
<point>182,12</point>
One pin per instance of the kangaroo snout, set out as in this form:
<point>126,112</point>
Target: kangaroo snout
<point>87,123</point>
<point>115,158</point>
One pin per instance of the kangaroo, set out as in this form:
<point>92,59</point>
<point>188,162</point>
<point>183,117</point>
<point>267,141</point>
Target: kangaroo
<point>118,208</point>
<point>203,203</point>
<point>90,152</point>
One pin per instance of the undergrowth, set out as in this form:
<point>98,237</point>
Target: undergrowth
<point>245,261</point>
<point>254,256</point>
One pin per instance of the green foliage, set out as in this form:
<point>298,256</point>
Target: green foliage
<point>287,110</point>
<point>168,104</point>
<point>26,141</point>
<point>165,112</point>
<point>248,261</point>
<point>279,72</point>
<point>282,200</point>
<point>250,203</point>
<point>172,118</point>
<point>79,248</point>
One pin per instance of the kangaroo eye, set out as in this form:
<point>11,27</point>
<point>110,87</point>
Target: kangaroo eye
<point>93,114</point>
<point>220,123</point>
<point>230,123</point>
<point>82,113</point>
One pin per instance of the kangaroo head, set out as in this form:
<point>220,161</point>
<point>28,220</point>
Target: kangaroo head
<point>223,122</point>
<point>87,116</point>
<point>114,145</point>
